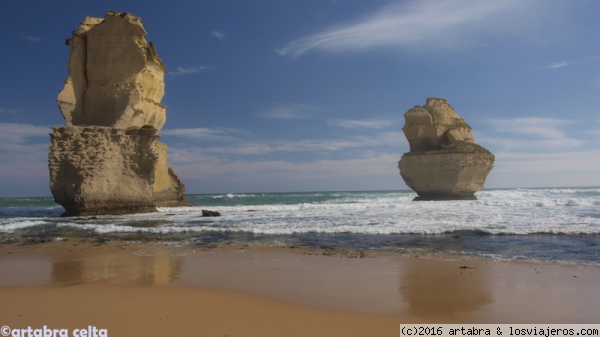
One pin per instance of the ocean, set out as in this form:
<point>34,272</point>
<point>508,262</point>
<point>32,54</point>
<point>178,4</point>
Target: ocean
<point>545,225</point>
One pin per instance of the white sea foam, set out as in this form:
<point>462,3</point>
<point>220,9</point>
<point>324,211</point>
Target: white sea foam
<point>517,211</point>
<point>9,227</point>
<point>497,212</point>
<point>113,228</point>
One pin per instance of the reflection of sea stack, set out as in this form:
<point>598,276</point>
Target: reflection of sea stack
<point>443,290</point>
<point>154,266</point>
<point>106,159</point>
<point>444,163</point>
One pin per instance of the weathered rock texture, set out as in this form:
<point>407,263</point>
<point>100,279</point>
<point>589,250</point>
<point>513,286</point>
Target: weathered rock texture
<point>117,79</point>
<point>444,162</point>
<point>107,158</point>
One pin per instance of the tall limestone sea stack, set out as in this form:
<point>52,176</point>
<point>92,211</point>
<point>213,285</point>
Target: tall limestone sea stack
<point>107,158</point>
<point>444,163</point>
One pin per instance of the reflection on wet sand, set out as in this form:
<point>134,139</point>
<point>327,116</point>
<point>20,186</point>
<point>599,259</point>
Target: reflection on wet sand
<point>24,271</point>
<point>427,290</point>
<point>445,290</point>
<point>151,268</point>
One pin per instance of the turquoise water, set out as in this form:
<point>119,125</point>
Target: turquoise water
<point>556,225</point>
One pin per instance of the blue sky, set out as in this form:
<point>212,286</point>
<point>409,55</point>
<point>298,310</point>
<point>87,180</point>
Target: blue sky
<point>309,95</point>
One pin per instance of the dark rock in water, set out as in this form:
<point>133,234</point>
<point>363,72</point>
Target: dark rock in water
<point>210,213</point>
<point>444,163</point>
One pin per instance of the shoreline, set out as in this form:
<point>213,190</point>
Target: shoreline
<point>272,290</point>
<point>555,226</point>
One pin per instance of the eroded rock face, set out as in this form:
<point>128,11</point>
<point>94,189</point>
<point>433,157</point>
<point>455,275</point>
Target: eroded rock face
<point>107,158</point>
<point>99,170</point>
<point>444,162</point>
<point>168,189</point>
<point>117,79</point>
<point>434,125</point>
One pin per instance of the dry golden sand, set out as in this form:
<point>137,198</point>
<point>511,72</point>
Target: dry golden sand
<point>157,290</point>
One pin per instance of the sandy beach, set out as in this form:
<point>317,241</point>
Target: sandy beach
<point>135,289</point>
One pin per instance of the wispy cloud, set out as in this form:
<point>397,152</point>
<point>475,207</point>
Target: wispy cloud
<point>577,61</point>
<point>196,133</point>
<point>31,38</point>
<point>15,133</point>
<point>372,165</point>
<point>180,71</point>
<point>533,132</point>
<point>219,34</point>
<point>24,143</point>
<point>235,144</point>
<point>362,124</point>
<point>559,168</point>
<point>435,23</point>
<point>541,151</point>
<point>25,147</point>
<point>334,145</point>
<point>289,111</point>
<point>4,111</point>
<point>377,171</point>
<point>535,126</point>
<point>558,65</point>
<point>592,134</point>
<point>549,162</point>
<point>207,134</point>
<point>209,158</point>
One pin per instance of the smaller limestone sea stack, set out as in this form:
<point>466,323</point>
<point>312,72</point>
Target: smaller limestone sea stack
<point>444,162</point>
<point>107,158</point>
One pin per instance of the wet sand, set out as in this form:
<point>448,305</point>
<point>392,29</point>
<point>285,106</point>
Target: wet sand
<point>159,290</point>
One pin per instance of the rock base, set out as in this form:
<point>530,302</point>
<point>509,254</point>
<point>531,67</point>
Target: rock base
<point>446,174</point>
<point>101,170</point>
<point>444,196</point>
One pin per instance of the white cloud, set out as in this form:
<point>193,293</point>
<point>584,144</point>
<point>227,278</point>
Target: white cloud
<point>23,155</point>
<point>378,164</point>
<point>4,111</point>
<point>537,152</point>
<point>558,65</point>
<point>434,23</point>
<point>210,174</point>
<point>531,133</point>
<point>565,161</point>
<point>179,71</point>
<point>219,34</point>
<point>531,169</point>
<point>289,111</point>
<point>362,124</point>
<point>15,133</point>
<point>232,142</point>
<point>535,126</point>
<point>199,133</point>
<point>19,154</point>
<point>30,38</point>
<point>592,134</point>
